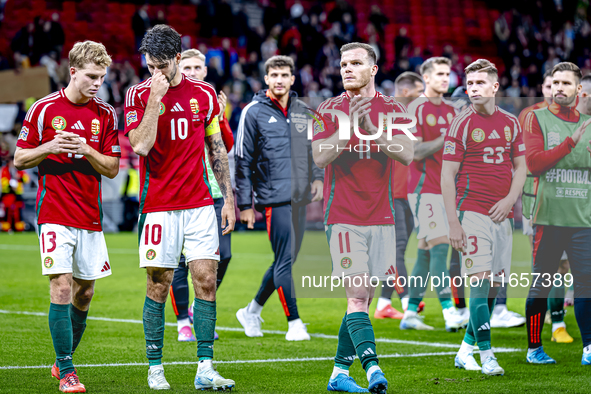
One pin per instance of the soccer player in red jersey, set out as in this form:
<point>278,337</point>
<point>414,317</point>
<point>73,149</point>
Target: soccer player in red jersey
<point>169,118</point>
<point>484,147</point>
<point>358,204</point>
<point>434,115</point>
<point>71,135</point>
<point>407,87</point>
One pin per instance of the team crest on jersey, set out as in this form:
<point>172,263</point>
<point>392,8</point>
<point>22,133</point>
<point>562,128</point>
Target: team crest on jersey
<point>432,225</point>
<point>151,254</point>
<point>95,127</point>
<point>58,123</point>
<point>24,133</point>
<point>346,262</point>
<point>431,120</point>
<point>478,135</point>
<point>48,262</point>
<point>450,117</point>
<point>194,106</point>
<point>162,108</point>
<point>507,133</point>
<point>131,117</point>
<point>469,263</point>
<point>450,148</point>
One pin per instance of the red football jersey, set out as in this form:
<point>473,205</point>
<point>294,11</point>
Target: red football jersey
<point>359,184</point>
<point>485,146</point>
<point>69,187</point>
<point>433,120</point>
<point>173,175</point>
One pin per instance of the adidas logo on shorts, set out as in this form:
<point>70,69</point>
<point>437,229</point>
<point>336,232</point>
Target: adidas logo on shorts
<point>106,267</point>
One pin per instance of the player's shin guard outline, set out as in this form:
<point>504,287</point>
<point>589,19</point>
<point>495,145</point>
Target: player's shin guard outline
<point>153,318</point>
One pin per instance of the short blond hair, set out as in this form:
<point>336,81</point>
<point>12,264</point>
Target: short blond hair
<point>430,63</point>
<point>189,53</point>
<point>483,66</point>
<point>89,52</point>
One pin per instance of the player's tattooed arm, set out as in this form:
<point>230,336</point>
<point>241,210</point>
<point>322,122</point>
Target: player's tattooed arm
<point>218,158</point>
<point>143,137</point>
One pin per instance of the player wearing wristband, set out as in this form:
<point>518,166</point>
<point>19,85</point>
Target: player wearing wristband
<point>484,148</point>
<point>557,140</point>
<point>72,137</point>
<point>169,118</point>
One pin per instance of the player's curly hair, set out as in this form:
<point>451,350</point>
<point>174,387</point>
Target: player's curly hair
<point>279,61</point>
<point>483,66</point>
<point>89,52</point>
<point>371,53</point>
<point>568,66</point>
<point>162,43</point>
<point>429,64</point>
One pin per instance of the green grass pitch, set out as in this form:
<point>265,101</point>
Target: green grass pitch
<point>414,362</point>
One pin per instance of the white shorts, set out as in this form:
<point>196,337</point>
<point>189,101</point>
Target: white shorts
<point>527,227</point>
<point>432,219</point>
<point>412,203</point>
<point>362,250</point>
<point>70,250</point>
<point>165,235</point>
<point>489,245</point>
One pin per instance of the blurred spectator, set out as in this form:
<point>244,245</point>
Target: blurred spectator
<point>140,23</point>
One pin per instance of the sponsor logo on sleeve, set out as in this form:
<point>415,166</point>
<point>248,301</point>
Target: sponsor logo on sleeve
<point>131,117</point>
<point>116,149</point>
<point>450,148</point>
<point>24,133</point>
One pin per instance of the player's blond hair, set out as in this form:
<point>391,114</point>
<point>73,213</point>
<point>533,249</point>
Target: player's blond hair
<point>483,66</point>
<point>190,53</point>
<point>429,64</point>
<point>89,52</point>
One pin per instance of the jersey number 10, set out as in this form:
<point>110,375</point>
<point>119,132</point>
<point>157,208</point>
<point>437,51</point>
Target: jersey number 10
<point>183,129</point>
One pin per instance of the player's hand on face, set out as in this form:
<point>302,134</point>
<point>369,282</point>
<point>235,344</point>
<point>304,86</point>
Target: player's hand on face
<point>580,131</point>
<point>64,142</point>
<point>457,237</point>
<point>500,210</point>
<point>159,85</point>
<point>316,190</point>
<point>247,217</point>
<point>222,99</point>
<point>229,218</point>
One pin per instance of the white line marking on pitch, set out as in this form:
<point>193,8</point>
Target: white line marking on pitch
<point>236,329</point>
<point>270,360</point>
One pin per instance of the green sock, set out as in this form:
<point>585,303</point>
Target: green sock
<point>204,314</point>
<point>417,288</point>
<point>78,318</point>
<point>469,335</point>
<point>60,327</point>
<point>480,313</point>
<point>492,299</point>
<point>363,338</point>
<point>556,304</point>
<point>154,330</point>
<point>345,348</point>
<point>438,268</point>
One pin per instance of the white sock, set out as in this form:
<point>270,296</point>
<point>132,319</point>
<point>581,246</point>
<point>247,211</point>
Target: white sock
<point>408,313</point>
<point>404,301</point>
<point>499,309</point>
<point>254,307</point>
<point>371,370</point>
<point>484,354</point>
<point>204,364</point>
<point>465,348</point>
<point>383,302</point>
<point>587,349</point>
<point>156,367</point>
<point>556,326</point>
<point>461,310</point>
<point>182,323</point>
<point>532,350</point>
<point>293,323</point>
<point>336,371</point>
